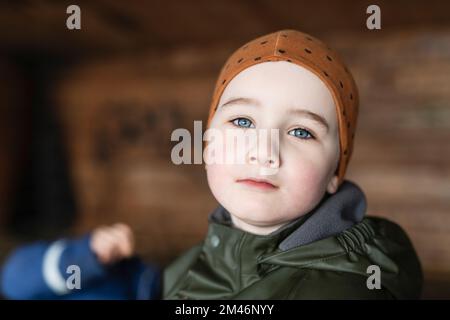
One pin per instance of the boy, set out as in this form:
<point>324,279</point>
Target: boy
<point>108,269</point>
<point>288,225</point>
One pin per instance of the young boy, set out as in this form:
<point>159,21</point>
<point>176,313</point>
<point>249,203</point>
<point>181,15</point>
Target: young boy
<point>106,261</point>
<point>298,232</point>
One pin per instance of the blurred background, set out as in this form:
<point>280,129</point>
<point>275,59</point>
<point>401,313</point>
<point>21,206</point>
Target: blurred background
<point>86,115</point>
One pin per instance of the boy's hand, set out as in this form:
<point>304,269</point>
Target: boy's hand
<point>112,243</point>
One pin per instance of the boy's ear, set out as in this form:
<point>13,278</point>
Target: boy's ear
<point>333,185</point>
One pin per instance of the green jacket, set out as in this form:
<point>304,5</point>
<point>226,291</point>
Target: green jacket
<point>322,255</point>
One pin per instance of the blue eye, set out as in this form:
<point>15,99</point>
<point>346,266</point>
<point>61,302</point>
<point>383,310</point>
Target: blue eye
<point>301,133</point>
<point>243,122</point>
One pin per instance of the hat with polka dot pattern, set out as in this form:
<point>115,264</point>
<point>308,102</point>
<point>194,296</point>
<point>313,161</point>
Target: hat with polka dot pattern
<point>309,52</point>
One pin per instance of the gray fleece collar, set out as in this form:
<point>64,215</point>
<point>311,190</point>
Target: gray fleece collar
<point>334,214</point>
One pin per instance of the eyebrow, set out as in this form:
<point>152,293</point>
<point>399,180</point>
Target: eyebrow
<point>301,112</point>
<point>242,101</point>
<point>311,115</point>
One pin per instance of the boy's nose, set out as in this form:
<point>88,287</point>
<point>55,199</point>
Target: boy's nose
<point>266,162</point>
<point>265,153</point>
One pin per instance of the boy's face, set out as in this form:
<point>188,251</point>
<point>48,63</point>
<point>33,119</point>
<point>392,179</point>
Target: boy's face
<point>284,96</point>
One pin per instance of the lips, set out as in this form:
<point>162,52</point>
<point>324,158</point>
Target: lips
<point>258,183</point>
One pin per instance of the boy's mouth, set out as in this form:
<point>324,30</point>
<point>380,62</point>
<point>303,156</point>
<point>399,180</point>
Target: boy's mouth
<point>258,183</point>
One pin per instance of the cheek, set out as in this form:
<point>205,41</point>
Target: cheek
<point>305,182</point>
<point>218,179</point>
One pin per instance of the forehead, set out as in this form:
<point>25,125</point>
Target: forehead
<point>281,85</point>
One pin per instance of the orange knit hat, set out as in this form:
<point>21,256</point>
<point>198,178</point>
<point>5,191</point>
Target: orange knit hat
<point>308,52</point>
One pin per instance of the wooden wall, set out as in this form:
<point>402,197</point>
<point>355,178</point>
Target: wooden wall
<point>402,155</point>
<point>142,71</point>
<point>119,115</point>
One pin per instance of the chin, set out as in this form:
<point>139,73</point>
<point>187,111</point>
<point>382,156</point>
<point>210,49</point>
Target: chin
<point>255,214</point>
<point>258,221</point>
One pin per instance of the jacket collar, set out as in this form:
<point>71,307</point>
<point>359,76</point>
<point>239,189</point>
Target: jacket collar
<point>334,214</point>
<point>232,259</point>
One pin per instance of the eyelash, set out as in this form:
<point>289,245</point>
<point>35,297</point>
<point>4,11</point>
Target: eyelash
<point>235,122</point>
